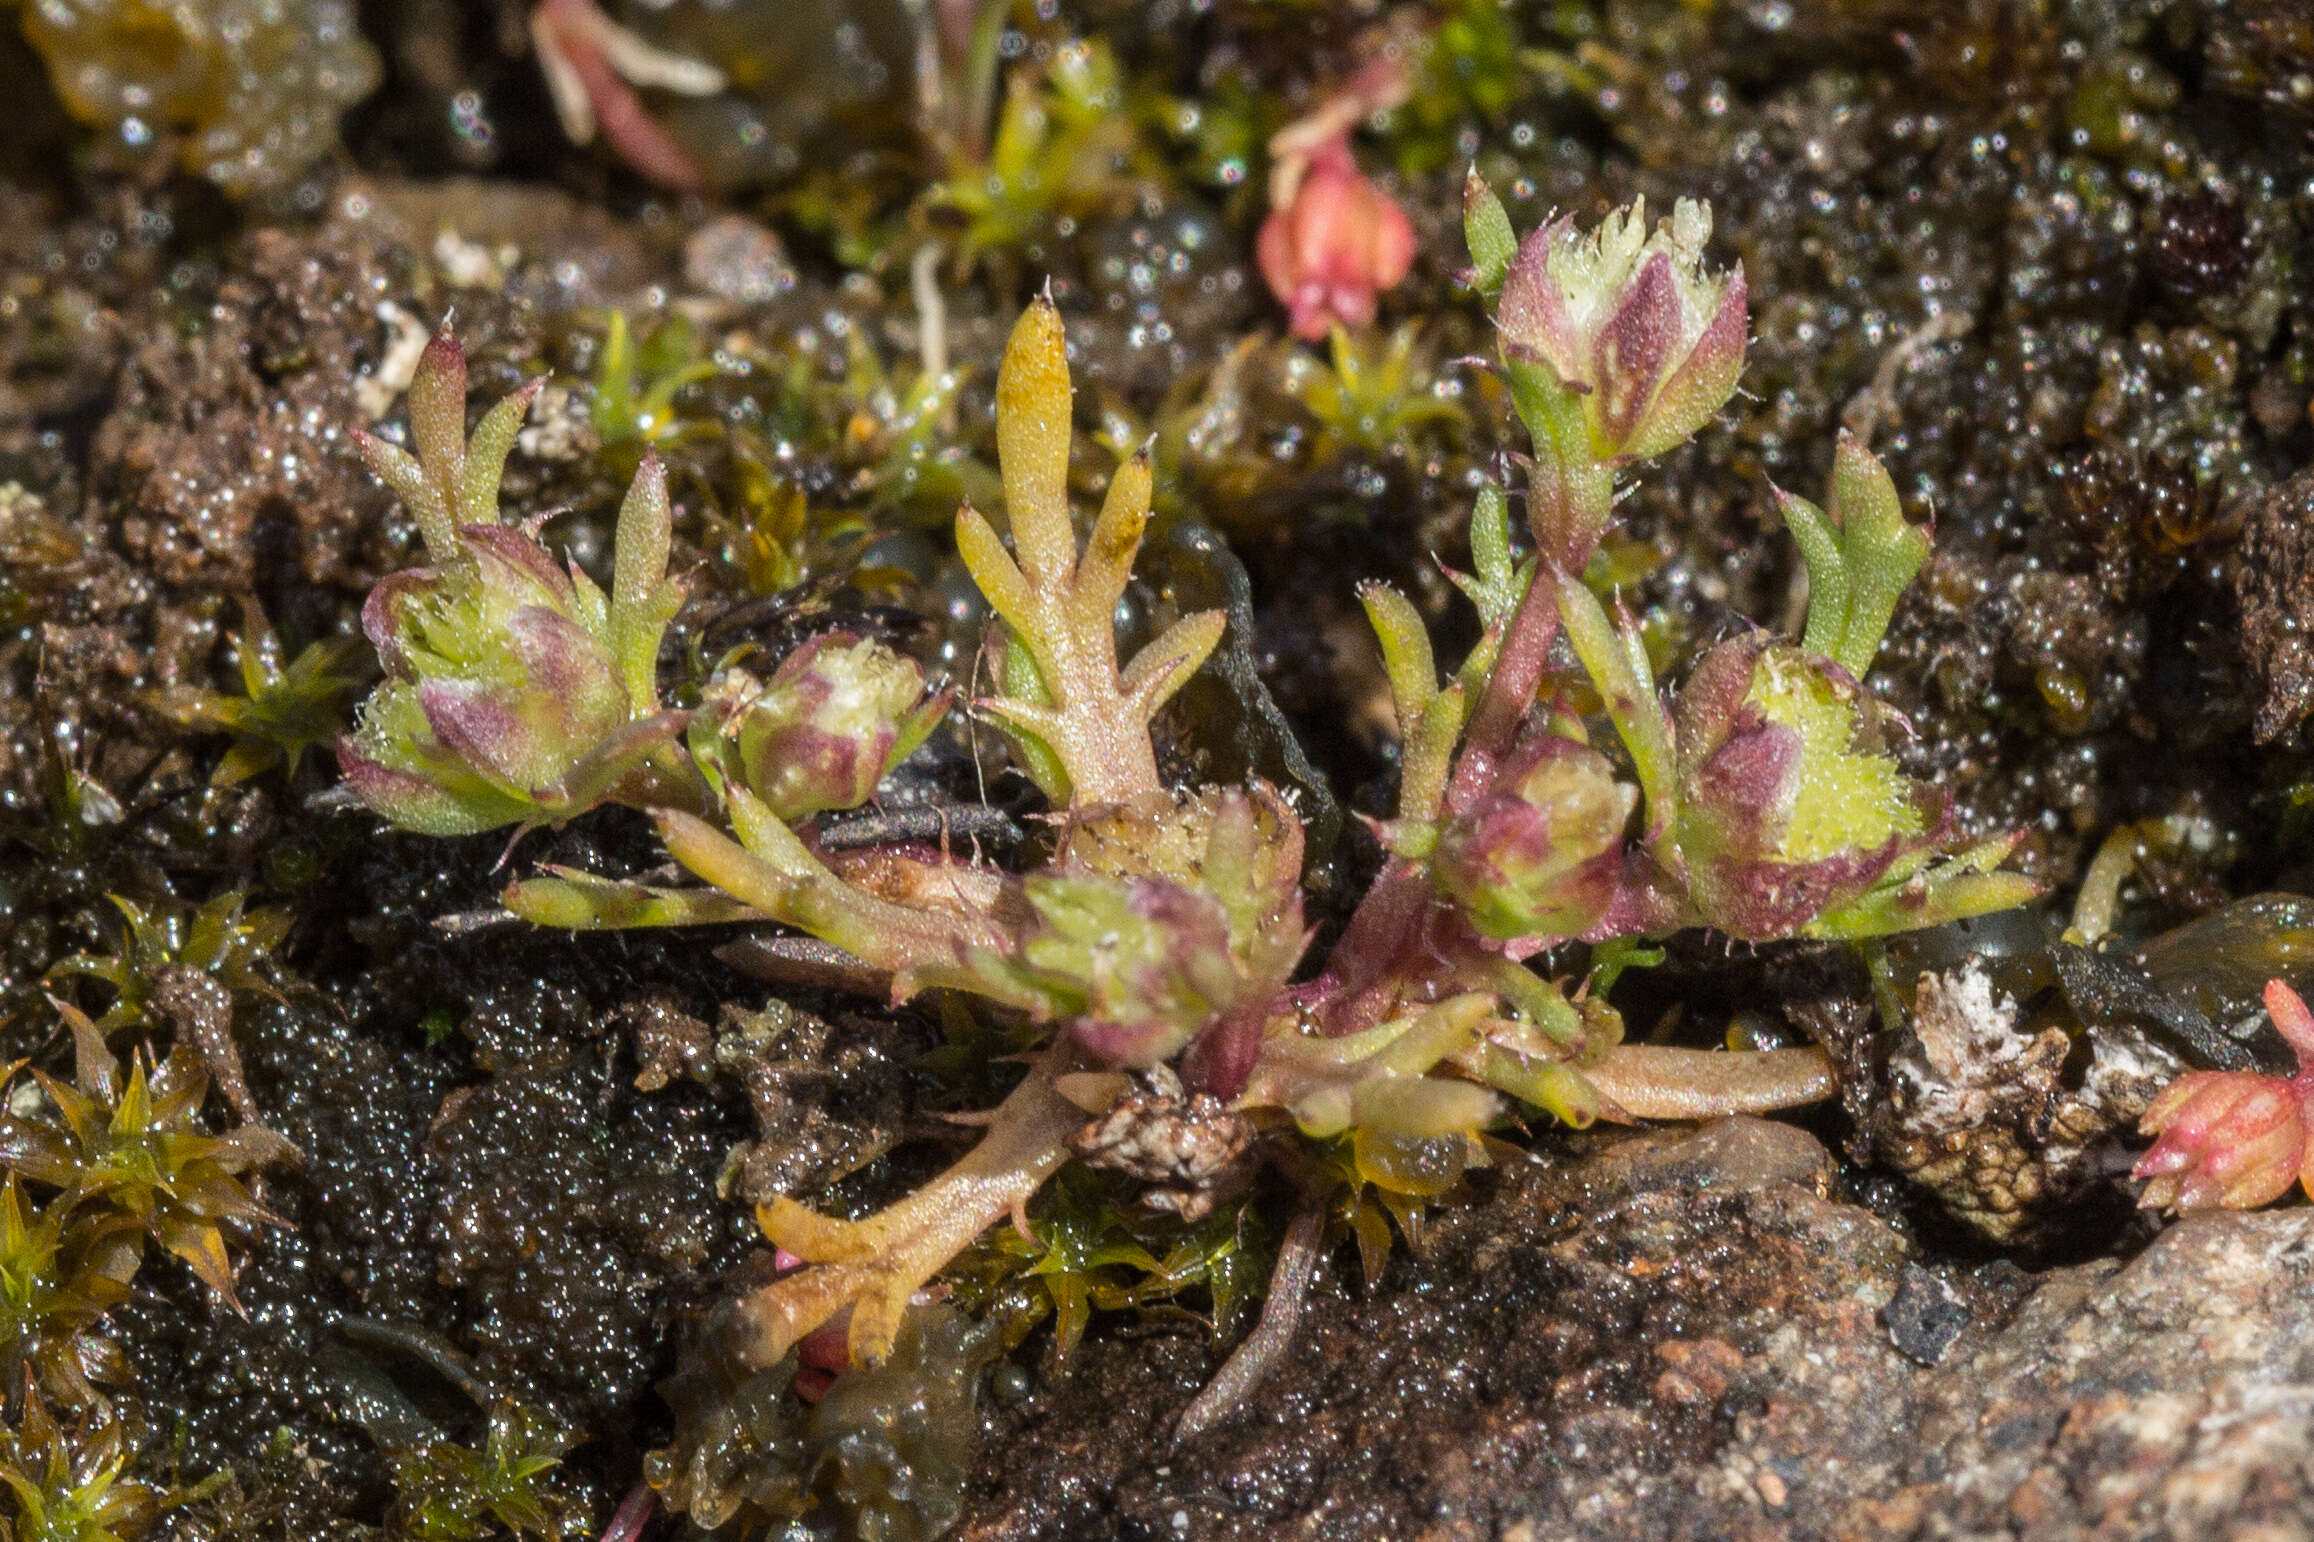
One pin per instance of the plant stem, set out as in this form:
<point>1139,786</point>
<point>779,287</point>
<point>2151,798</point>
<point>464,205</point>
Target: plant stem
<point>1570,492</point>
<point>1510,689</point>
<point>1570,503</point>
<point>1281,1312</point>
<point>1649,1081</point>
<point>874,1265</point>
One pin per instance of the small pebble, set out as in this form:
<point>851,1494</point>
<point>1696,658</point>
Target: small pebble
<point>733,258</point>
<point>1926,1316</point>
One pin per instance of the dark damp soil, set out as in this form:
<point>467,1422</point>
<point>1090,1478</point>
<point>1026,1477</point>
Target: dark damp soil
<point>2050,258</point>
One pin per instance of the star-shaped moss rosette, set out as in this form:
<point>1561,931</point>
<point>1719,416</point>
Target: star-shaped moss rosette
<point>53,1288</point>
<point>222,939</point>
<point>70,1485</point>
<point>454,1493</point>
<point>133,1146</point>
<point>285,708</point>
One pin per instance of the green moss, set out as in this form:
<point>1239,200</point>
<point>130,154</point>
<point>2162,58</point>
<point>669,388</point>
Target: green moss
<point>132,1148</point>
<point>219,938</point>
<point>637,385</point>
<point>888,1447</point>
<point>1064,146</point>
<point>1091,1248</point>
<point>52,1291</point>
<point>284,709</point>
<point>68,1485</point>
<point>455,1493</point>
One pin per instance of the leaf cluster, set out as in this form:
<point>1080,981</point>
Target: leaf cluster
<point>455,1493</point>
<point>284,709</point>
<point>1064,145</point>
<point>126,1155</point>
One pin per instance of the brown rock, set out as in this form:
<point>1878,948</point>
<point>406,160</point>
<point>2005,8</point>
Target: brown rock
<point>2274,581</point>
<point>1682,1339</point>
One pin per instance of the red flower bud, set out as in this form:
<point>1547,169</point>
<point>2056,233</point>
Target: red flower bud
<point>1333,244</point>
<point>2234,1140</point>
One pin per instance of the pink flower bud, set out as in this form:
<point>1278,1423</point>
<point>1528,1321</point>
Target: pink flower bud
<point>1630,322</point>
<point>834,717</point>
<point>1139,964</point>
<point>1334,244</point>
<point>822,1354</point>
<point>496,688</point>
<point>516,691</point>
<point>1539,857</point>
<point>2234,1140</point>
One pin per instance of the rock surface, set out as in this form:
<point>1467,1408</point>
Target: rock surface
<point>1688,1336</point>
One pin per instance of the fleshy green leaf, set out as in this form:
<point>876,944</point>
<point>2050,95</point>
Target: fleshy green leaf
<point>1486,225</point>
<point>1860,557</point>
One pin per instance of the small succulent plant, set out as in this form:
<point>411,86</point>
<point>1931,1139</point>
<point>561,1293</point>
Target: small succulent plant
<point>516,691</point>
<point>1157,947</point>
